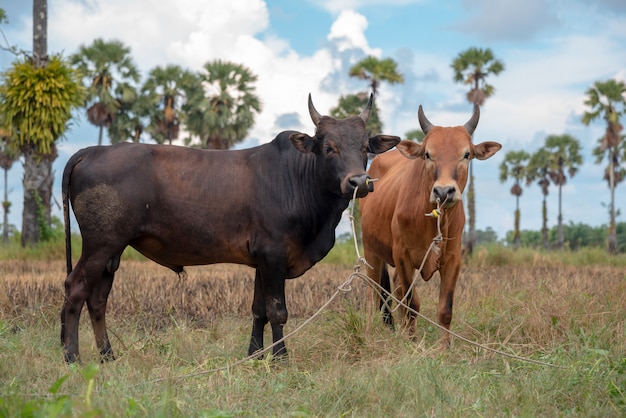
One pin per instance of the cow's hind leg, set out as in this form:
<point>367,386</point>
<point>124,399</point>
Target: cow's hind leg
<point>78,287</point>
<point>385,300</point>
<point>381,288</point>
<point>259,316</point>
<point>97,305</point>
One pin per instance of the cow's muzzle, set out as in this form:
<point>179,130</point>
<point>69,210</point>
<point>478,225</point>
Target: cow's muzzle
<point>362,184</point>
<point>446,195</point>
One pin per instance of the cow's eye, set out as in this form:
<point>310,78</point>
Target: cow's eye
<point>329,149</point>
<point>467,155</point>
<point>427,156</point>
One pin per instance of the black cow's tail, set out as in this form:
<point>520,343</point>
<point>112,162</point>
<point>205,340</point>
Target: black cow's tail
<point>65,193</point>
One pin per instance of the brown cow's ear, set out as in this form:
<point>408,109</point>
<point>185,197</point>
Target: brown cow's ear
<point>381,143</point>
<point>303,142</point>
<point>486,150</point>
<point>410,149</point>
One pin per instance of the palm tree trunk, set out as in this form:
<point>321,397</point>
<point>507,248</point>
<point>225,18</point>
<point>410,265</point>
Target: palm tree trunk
<point>5,208</point>
<point>544,227</point>
<point>37,185</point>
<point>612,235</point>
<point>37,181</point>
<point>40,31</point>
<point>100,135</point>
<point>560,238</point>
<point>471,211</point>
<point>516,233</point>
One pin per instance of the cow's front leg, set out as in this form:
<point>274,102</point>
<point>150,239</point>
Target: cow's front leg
<point>276,312</point>
<point>259,316</point>
<point>449,275</point>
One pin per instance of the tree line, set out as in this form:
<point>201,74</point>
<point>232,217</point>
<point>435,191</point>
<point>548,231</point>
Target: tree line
<point>559,159</point>
<point>216,107</point>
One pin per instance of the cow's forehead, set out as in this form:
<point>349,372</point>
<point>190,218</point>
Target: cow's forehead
<point>447,138</point>
<point>342,131</point>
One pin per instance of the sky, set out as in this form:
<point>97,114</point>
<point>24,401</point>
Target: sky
<point>553,51</point>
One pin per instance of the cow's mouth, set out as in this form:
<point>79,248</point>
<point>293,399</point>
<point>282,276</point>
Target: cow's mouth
<point>449,204</point>
<point>446,204</point>
<point>360,185</point>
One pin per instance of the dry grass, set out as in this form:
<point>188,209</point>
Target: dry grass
<point>344,363</point>
<point>520,307</point>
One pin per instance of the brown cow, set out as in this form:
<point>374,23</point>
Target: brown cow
<point>396,231</point>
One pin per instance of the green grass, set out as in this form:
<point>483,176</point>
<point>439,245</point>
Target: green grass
<point>562,308</point>
<point>380,373</point>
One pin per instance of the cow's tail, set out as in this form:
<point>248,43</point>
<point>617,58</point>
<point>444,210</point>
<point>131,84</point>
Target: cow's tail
<point>65,193</point>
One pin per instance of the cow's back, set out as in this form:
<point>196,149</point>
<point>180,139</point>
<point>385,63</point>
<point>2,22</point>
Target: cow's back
<point>183,206</point>
<point>178,206</point>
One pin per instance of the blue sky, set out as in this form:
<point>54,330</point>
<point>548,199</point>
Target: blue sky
<point>553,51</point>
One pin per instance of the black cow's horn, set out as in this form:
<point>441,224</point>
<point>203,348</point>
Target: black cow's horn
<point>424,122</point>
<point>365,113</point>
<point>470,126</point>
<point>315,116</point>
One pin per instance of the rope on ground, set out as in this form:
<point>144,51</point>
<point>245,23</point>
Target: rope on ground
<point>347,287</point>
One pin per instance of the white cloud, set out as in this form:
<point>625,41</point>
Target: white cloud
<point>189,33</point>
<point>348,31</point>
<point>337,6</point>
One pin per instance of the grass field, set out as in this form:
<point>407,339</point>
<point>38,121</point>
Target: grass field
<point>171,333</point>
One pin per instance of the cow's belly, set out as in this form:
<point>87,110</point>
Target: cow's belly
<point>190,252</point>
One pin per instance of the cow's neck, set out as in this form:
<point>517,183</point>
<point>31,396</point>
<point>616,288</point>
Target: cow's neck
<point>318,213</point>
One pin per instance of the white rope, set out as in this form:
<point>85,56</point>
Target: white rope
<point>347,287</point>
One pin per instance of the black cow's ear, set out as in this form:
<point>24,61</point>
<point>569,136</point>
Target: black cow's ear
<point>303,142</point>
<point>381,143</point>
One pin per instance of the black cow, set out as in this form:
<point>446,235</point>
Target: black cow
<point>273,207</point>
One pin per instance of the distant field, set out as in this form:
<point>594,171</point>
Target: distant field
<point>345,362</point>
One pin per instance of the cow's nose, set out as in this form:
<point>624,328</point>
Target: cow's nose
<point>361,184</point>
<point>445,194</point>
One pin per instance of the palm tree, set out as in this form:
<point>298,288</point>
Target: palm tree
<point>221,112</point>
<point>107,68</point>
<point>37,96</point>
<point>352,104</point>
<point>472,67</point>
<point>374,71</point>
<point>128,122</point>
<point>165,94</point>
<point>606,99</point>
<point>538,168</point>
<point>8,155</point>
<point>565,152</point>
<point>514,166</point>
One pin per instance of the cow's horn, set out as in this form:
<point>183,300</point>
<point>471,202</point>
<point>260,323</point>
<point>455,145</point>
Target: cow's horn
<point>315,116</point>
<point>424,122</point>
<point>365,113</point>
<point>470,126</point>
